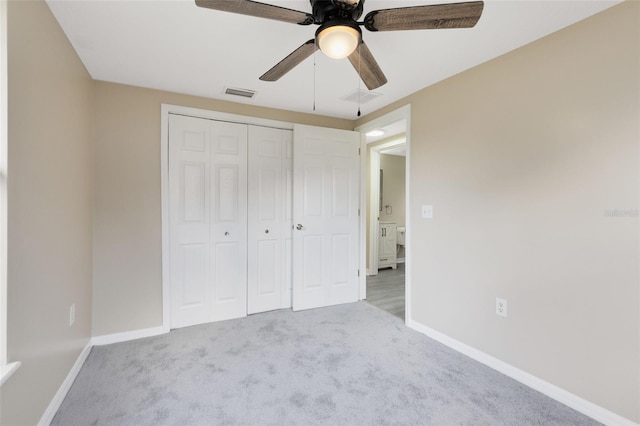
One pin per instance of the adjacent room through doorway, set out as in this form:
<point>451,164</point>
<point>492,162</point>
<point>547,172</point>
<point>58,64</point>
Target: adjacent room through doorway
<point>386,148</point>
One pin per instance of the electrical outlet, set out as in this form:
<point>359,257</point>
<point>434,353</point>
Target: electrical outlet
<point>501,307</point>
<point>72,314</point>
<point>427,212</point>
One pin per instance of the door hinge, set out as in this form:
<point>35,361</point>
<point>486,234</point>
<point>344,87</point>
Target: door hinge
<point>358,151</point>
<point>358,212</point>
<point>358,272</point>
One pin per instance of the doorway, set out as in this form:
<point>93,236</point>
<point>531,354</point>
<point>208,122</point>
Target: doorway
<point>386,142</point>
<point>386,280</point>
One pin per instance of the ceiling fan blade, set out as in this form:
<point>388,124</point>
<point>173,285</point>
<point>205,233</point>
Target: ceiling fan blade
<point>452,15</point>
<point>290,62</point>
<point>367,67</point>
<point>260,10</point>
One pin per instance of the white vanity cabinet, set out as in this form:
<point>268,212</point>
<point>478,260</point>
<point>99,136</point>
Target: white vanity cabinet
<point>387,245</point>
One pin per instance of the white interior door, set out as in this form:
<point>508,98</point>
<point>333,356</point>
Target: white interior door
<point>229,220</point>
<point>325,212</point>
<point>207,220</point>
<point>189,220</point>
<point>269,261</point>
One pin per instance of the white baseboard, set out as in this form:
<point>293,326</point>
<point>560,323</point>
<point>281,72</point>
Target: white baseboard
<point>7,370</point>
<point>400,260</point>
<point>108,339</point>
<point>55,403</point>
<point>567,398</point>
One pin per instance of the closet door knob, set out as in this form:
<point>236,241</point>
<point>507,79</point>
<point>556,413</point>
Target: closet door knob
<point>226,234</point>
<point>299,227</point>
<point>266,231</point>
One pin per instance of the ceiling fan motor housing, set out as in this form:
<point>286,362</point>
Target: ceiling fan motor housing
<point>341,23</point>
<point>324,11</point>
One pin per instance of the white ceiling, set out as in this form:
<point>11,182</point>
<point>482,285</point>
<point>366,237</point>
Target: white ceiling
<point>176,46</point>
<point>394,135</point>
<point>400,151</point>
<point>388,131</point>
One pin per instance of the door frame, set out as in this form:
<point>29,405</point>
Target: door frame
<point>165,111</point>
<point>402,113</point>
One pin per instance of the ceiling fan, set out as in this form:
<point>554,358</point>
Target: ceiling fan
<point>339,35</point>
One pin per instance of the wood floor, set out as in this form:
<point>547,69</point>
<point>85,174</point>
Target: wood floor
<point>386,290</point>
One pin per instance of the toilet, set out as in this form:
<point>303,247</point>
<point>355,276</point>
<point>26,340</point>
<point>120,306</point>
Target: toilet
<point>400,230</point>
<point>400,242</point>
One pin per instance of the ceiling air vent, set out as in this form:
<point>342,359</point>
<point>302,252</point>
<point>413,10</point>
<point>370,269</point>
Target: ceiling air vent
<point>243,93</point>
<point>360,96</point>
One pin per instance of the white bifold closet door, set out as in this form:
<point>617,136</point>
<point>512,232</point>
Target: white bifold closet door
<point>325,212</point>
<point>270,210</point>
<point>207,220</point>
<point>234,192</point>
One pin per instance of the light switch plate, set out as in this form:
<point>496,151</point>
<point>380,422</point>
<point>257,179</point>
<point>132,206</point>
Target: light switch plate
<point>72,314</point>
<point>427,212</point>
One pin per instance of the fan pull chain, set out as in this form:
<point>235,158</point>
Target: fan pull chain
<point>359,76</point>
<point>314,79</point>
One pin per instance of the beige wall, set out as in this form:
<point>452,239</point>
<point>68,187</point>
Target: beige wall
<point>49,186</point>
<point>521,157</point>
<point>127,221</point>
<point>393,188</point>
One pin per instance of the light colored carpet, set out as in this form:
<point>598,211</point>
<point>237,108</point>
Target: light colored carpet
<point>345,365</point>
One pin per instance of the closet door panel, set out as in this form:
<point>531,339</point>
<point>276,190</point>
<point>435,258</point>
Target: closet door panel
<point>207,220</point>
<point>229,220</point>
<point>287,231</point>
<point>189,194</point>
<point>326,197</point>
<point>267,286</point>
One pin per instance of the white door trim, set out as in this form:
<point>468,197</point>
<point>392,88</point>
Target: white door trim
<point>373,209</point>
<point>5,370</point>
<point>165,111</point>
<point>396,115</point>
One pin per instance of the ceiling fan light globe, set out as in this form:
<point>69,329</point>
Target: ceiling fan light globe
<point>339,41</point>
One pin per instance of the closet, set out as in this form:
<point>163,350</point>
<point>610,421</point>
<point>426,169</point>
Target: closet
<point>229,219</point>
<point>255,217</point>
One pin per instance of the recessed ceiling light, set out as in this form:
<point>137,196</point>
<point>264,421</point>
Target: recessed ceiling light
<point>375,132</point>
